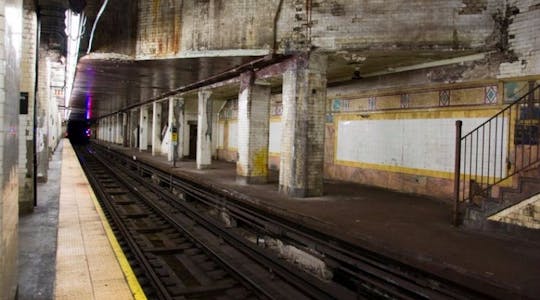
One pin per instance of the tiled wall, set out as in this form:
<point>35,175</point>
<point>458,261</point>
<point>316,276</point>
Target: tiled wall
<point>11,16</point>
<point>26,121</point>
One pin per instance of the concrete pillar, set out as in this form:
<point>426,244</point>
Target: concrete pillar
<point>156,128</point>
<point>104,130</point>
<point>133,129</point>
<point>143,128</point>
<point>104,137</point>
<point>204,130</point>
<point>181,125</point>
<point>176,118</point>
<point>125,135</point>
<point>107,129</point>
<point>171,123</point>
<point>42,130</point>
<point>253,130</point>
<point>114,122</point>
<point>119,128</point>
<point>110,123</point>
<point>302,144</point>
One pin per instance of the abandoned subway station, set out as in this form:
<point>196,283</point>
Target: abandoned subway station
<point>269,149</point>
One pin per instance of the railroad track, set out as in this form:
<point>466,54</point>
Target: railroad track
<point>181,254</point>
<point>354,272</point>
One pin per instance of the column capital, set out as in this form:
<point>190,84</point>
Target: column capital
<point>205,93</point>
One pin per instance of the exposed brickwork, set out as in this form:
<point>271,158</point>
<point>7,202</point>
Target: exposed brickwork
<point>523,40</point>
<point>385,25</point>
<point>51,72</point>
<point>159,28</point>
<point>253,129</point>
<point>302,142</point>
<point>473,7</point>
<point>26,122</point>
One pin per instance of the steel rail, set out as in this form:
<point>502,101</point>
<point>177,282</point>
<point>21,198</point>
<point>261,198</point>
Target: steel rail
<point>101,194</point>
<point>306,283</point>
<point>166,215</point>
<point>383,274</point>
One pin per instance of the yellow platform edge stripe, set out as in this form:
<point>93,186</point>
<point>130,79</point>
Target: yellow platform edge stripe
<point>133,283</point>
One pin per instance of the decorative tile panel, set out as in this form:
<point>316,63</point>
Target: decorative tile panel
<point>490,95</point>
<point>444,98</point>
<point>336,105</point>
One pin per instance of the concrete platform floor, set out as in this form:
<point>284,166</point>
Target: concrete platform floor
<point>416,230</point>
<point>37,237</point>
<point>66,251</point>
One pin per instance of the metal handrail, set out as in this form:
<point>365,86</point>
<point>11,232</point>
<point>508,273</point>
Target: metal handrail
<point>496,150</point>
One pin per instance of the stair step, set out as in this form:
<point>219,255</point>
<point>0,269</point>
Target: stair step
<point>516,231</point>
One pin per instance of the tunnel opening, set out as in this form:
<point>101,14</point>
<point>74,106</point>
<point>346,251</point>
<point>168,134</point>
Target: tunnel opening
<point>78,132</point>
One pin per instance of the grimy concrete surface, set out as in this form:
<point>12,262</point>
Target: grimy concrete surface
<point>37,237</point>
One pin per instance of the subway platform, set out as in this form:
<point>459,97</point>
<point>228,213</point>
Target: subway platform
<point>83,260</point>
<point>67,249</point>
<point>413,229</point>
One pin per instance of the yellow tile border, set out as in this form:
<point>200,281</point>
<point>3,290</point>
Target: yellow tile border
<point>133,283</point>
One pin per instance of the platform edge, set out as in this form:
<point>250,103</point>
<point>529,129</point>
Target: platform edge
<point>133,283</point>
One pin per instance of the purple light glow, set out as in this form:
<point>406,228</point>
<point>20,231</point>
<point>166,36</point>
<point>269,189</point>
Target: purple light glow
<point>88,107</point>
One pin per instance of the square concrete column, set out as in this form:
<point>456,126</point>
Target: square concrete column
<point>204,130</point>
<point>181,126</point>
<point>176,119</point>
<point>100,130</point>
<point>125,122</point>
<point>172,128</point>
<point>143,128</point>
<point>119,126</point>
<point>113,128</point>
<point>134,129</point>
<point>253,130</point>
<point>108,126</point>
<point>156,128</point>
<point>103,129</point>
<point>302,143</point>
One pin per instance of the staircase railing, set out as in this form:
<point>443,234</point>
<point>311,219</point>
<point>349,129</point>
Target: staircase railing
<point>496,150</point>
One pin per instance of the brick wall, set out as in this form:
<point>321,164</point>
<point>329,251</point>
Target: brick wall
<point>10,54</point>
<point>523,40</point>
<point>166,29</point>
<point>159,28</point>
<point>26,122</point>
<point>388,25</point>
<point>43,105</point>
<point>302,140</point>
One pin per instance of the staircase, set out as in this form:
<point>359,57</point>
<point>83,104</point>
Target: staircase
<point>497,172</point>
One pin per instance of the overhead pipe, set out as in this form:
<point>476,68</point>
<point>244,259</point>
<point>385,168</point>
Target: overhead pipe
<point>231,73</point>
<point>276,17</point>
<point>101,10</point>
